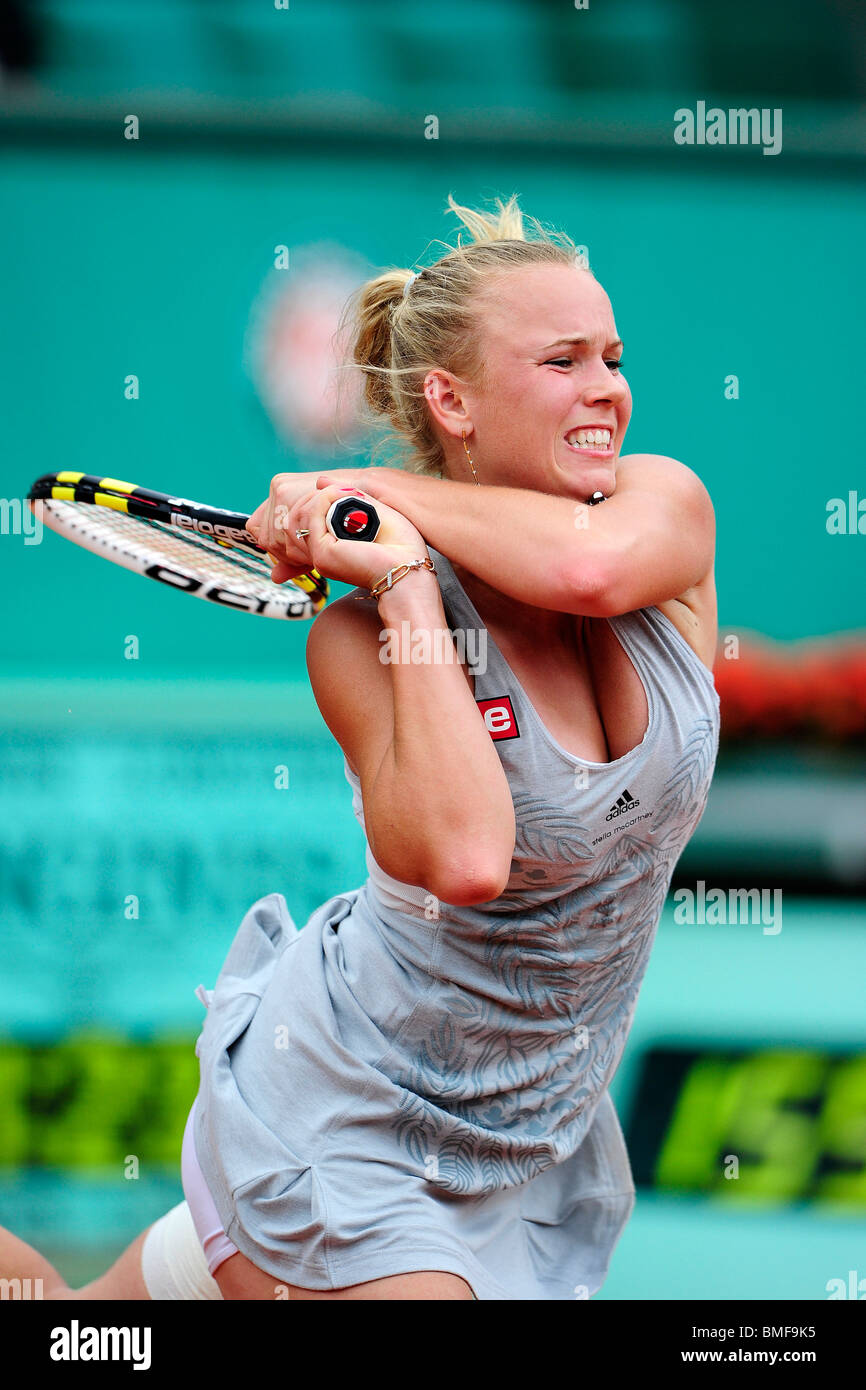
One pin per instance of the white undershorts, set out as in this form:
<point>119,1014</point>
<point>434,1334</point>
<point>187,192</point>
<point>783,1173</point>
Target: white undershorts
<point>185,1247</point>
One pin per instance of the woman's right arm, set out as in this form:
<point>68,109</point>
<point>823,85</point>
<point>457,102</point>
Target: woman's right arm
<point>437,804</point>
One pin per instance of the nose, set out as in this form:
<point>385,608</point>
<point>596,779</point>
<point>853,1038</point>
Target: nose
<point>604,385</point>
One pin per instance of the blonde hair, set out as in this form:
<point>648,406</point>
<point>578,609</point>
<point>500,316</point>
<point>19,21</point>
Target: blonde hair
<point>397,337</point>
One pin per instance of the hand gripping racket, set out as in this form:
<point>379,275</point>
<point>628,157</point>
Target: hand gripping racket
<point>197,549</point>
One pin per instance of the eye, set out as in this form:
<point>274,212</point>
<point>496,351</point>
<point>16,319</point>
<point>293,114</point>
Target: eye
<point>615,364</point>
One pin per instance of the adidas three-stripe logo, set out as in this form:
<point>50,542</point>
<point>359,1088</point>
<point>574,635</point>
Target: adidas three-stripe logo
<point>623,803</point>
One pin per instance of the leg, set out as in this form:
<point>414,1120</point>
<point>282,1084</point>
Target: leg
<point>124,1280</point>
<point>18,1260</point>
<point>239,1279</point>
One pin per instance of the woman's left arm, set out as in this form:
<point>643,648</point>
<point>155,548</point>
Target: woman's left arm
<point>652,540</point>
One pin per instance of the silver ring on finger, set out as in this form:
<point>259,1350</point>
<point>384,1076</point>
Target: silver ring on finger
<point>300,534</point>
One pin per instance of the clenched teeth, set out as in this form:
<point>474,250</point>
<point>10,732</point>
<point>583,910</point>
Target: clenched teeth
<point>589,439</point>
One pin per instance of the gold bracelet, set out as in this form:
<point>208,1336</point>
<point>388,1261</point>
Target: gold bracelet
<point>397,573</point>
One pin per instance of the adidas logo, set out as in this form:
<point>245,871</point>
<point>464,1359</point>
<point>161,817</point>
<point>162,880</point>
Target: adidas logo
<point>622,804</point>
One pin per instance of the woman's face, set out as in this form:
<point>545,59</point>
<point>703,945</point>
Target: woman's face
<point>550,350</point>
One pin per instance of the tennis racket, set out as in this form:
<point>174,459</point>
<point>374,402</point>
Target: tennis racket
<point>196,549</point>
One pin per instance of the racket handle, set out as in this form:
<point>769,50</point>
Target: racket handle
<point>351,519</point>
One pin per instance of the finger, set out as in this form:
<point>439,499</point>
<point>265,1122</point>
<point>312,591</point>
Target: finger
<point>254,522</point>
<point>341,489</point>
<point>273,537</point>
<point>340,477</point>
<point>312,514</point>
<point>286,524</point>
<point>281,523</point>
<point>298,530</point>
<point>282,571</point>
<point>335,492</point>
<point>272,534</point>
<point>309,515</point>
<point>290,552</point>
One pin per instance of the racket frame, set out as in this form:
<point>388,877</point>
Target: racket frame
<point>216,524</point>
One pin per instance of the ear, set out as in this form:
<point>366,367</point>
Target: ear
<point>446,397</point>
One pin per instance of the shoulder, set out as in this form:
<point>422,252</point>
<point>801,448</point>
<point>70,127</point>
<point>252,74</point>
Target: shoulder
<point>687,511</point>
<point>667,478</point>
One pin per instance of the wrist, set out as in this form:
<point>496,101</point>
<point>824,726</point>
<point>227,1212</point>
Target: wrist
<point>415,595</point>
<point>393,486</point>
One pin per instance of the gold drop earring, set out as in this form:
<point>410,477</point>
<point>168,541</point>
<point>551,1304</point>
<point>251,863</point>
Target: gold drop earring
<point>469,456</point>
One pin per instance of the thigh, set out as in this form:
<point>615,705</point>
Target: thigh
<point>238,1278</point>
<point>123,1281</point>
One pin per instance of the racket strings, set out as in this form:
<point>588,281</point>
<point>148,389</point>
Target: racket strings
<point>239,559</point>
<point>162,540</point>
<point>240,556</point>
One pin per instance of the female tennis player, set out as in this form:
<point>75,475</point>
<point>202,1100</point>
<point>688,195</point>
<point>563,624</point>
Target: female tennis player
<point>408,1099</point>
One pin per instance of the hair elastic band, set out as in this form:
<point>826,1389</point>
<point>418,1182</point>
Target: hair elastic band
<point>409,283</point>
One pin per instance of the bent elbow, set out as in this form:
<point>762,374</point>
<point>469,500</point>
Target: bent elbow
<point>583,583</point>
<point>588,587</point>
<point>451,880</point>
<point>465,884</point>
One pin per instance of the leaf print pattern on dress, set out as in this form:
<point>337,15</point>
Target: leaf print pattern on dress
<point>468,1161</point>
<point>508,1075</point>
<point>546,838</point>
<point>689,784</point>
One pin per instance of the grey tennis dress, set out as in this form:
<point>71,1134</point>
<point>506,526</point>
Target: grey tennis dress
<point>406,1085</point>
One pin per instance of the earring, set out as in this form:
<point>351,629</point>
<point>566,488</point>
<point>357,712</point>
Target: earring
<point>469,456</point>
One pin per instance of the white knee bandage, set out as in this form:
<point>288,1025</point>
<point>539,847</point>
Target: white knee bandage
<point>173,1265</point>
